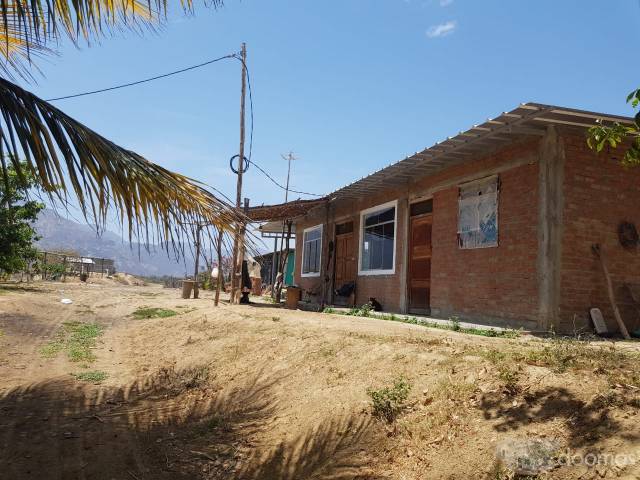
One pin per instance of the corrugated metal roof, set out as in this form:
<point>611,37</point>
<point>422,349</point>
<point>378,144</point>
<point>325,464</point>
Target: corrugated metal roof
<point>528,119</point>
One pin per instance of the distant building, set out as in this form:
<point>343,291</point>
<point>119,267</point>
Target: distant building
<point>266,266</point>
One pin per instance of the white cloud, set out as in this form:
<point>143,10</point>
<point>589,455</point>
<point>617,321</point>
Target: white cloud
<point>445,3</point>
<point>442,30</point>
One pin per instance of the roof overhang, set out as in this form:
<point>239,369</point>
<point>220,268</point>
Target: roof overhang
<point>283,211</point>
<point>527,120</point>
<point>274,229</point>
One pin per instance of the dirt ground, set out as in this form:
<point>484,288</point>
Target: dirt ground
<point>259,392</point>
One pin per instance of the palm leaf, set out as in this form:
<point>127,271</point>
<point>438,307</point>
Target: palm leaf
<point>38,23</point>
<point>69,158</point>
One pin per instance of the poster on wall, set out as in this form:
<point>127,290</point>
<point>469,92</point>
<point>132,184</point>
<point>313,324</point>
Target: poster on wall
<point>478,214</point>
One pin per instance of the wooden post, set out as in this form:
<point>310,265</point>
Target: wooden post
<point>237,253</point>
<point>220,273</point>
<point>44,268</point>
<point>600,254</point>
<point>282,262</point>
<point>196,292</point>
<point>64,270</point>
<point>241,248</point>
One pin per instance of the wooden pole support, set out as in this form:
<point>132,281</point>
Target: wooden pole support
<point>597,250</point>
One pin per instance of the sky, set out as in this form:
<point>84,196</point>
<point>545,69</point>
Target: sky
<point>349,86</point>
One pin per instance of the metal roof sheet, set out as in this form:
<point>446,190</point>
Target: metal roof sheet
<point>528,119</point>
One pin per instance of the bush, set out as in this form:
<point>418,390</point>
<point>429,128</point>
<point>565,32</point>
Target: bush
<point>388,402</point>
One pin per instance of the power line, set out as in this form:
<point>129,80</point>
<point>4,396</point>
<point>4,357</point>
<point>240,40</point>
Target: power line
<point>138,82</point>
<point>251,139</point>
<point>183,70</point>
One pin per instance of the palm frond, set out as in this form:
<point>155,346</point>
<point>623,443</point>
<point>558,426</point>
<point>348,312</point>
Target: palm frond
<point>69,158</point>
<point>43,22</point>
<point>18,52</point>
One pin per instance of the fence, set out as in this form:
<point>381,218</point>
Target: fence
<point>54,265</point>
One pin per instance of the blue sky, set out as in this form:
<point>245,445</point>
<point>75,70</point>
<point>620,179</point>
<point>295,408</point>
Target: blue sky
<point>350,86</point>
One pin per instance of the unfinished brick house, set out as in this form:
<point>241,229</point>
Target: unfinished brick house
<point>493,225</point>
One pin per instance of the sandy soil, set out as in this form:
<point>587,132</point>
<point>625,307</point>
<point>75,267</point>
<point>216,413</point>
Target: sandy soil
<point>259,392</point>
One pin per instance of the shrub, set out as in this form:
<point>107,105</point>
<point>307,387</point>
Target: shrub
<point>388,402</point>
<point>455,323</point>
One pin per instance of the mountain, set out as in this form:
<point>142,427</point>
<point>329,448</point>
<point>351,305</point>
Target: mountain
<point>61,234</point>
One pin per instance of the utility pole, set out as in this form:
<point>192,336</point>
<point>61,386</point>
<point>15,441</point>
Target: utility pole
<point>220,278</point>
<point>237,255</point>
<point>288,158</point>
<point>197,263</point>
<point>286,226</point>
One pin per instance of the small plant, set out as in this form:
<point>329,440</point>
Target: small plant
<point>455,323</point>
<point>509,376</point>
<point>153,312</point>
<point>77,339</point>
<point>94,376</point>
<point>327,310</point>
<point>388,402</point>
<point>275,319</point>
<point>189,378</point>
<point>51,349</point>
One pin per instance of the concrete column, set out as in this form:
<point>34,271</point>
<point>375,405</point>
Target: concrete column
<point>403,259</point>
<point>550,227</point>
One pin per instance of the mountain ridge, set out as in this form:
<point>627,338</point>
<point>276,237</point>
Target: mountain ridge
<point>59,233</point>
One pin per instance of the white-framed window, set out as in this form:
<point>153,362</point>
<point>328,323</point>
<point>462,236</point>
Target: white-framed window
<point>378,239</point>
<point>478,213</point>
<point>311,251</point>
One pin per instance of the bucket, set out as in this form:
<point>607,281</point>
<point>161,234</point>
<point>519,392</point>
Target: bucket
<point>187,286</point>
<point>293,297</point>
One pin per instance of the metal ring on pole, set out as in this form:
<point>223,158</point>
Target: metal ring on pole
<point>244,168</point>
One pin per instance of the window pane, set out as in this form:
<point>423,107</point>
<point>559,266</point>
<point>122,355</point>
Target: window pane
<point>312,250</point>
<point>387,254</point>
<point>377,240</point>
<point>386,215</point>
<point>381,216</point>
<point>312,234</point>
<point>305,256</point>
<point>312,256</point>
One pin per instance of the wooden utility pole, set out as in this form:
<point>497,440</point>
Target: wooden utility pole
<point>286,227</point>
<point>197,266</point>
<point>220,273</point>
<point>238,256</point>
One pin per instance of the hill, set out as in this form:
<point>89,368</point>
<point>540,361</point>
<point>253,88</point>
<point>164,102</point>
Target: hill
<point>59,233</point>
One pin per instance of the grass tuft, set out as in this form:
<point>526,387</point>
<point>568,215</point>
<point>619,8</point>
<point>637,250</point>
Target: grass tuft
<point>153,312</point>
<point>94,376</point>
<point>452,325</point>
<point>77,339</point>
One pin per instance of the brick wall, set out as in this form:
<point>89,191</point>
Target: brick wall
<point>599,194</point>
<point>496,284</point>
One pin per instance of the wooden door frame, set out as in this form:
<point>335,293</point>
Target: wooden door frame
<point>407,252</point>
<point>342,221</point>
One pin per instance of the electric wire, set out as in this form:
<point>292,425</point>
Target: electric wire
<point>251,137</point>
<point>138,82</point>
<point>186,69</point>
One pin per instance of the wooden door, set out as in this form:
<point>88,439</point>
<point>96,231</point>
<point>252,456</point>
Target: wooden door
<point>345,269</point>
<point>419,281</point>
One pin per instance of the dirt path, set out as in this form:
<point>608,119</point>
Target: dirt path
<point>258,392</point>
